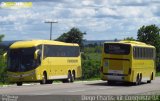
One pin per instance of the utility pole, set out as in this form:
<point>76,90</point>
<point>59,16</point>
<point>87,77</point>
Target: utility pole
<point>51,27</point>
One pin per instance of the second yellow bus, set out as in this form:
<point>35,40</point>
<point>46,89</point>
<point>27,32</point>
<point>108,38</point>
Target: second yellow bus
<point>128,61</point>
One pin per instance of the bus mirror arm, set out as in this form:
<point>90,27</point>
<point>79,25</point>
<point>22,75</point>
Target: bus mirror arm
<point>5,55</point>
<point>36,54</point>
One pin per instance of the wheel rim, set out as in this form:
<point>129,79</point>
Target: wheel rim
<point>73,77</point>
<point>69,77</point>
<point>137,80</point>
<point>44,79</point>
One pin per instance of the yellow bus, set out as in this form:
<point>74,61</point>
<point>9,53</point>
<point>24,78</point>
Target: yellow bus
<point>128,61</point>
<point>43,61</point>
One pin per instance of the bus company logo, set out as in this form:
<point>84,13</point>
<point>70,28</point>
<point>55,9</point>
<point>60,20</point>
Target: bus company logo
<point>72,61</point>
<point>15,4</point>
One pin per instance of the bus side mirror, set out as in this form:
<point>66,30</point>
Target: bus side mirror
<point>36,53</point>
<point>5,55</point>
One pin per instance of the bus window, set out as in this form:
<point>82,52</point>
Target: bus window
<point>121,49</point>
<point>21,59</point>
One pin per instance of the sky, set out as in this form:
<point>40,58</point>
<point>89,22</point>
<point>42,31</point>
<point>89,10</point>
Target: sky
<point>100,19</point>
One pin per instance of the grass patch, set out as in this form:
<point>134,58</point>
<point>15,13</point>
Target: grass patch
<point>94,56</point>
<point>158,74</point>
<point>1,84</point>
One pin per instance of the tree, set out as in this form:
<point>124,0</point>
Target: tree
<point>129,39</point>
<point>115,40</point>
<point>72,36</point>
<point>151,35</point>
<point>3,69</point>
<point>1,37</point>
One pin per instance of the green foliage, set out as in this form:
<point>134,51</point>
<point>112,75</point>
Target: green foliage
<point>3,70</point>
<point>115,40</point>
<point>91,59</point>
<point>90,69</point>
<point>96,49</point>
<point>3,74</point>
<point>129,39</point>
<point>1,37</point>
<point>158,74</point>
<point>72,36</point>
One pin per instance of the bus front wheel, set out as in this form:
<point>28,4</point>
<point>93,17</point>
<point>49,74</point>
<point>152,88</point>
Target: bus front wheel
<point>109,82</point>
<point>44,79</point>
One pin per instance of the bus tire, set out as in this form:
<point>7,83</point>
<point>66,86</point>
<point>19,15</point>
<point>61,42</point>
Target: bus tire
<point>148,81</point>
<point>44,79</point>
<point>73,76</point>
<point>70,77</point>
<point>137,80</point>
<point>140,79</point>
<point>19,83</point>
<point>109,82</point>
<point>151,78</point>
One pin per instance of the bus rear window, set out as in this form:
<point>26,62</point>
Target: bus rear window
<point>120,49</point>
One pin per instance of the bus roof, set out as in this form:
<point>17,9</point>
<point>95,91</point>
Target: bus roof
<point>32,43</point>
<point>133,43</point>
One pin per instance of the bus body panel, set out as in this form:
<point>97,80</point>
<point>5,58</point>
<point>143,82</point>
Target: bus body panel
<point>57,68</point>
<point>145,67</point>
<point>113,67</point>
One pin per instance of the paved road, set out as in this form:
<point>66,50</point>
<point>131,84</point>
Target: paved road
<point>82,88</point>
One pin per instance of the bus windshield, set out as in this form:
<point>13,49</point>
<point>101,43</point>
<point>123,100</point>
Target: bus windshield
<point>21,60</point>
<point>119,49</point>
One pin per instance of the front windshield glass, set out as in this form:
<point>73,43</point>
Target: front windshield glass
<point>22,59</point>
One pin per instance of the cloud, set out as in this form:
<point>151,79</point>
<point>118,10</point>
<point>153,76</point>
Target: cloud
<point>101,19</point>
<point>135,3</point>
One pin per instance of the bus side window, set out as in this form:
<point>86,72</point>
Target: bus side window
<point>39,57</point>
<point>134,52</point>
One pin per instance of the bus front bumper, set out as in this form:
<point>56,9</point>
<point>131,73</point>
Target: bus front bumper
<point>21,77</point>
<point>115,77</point>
